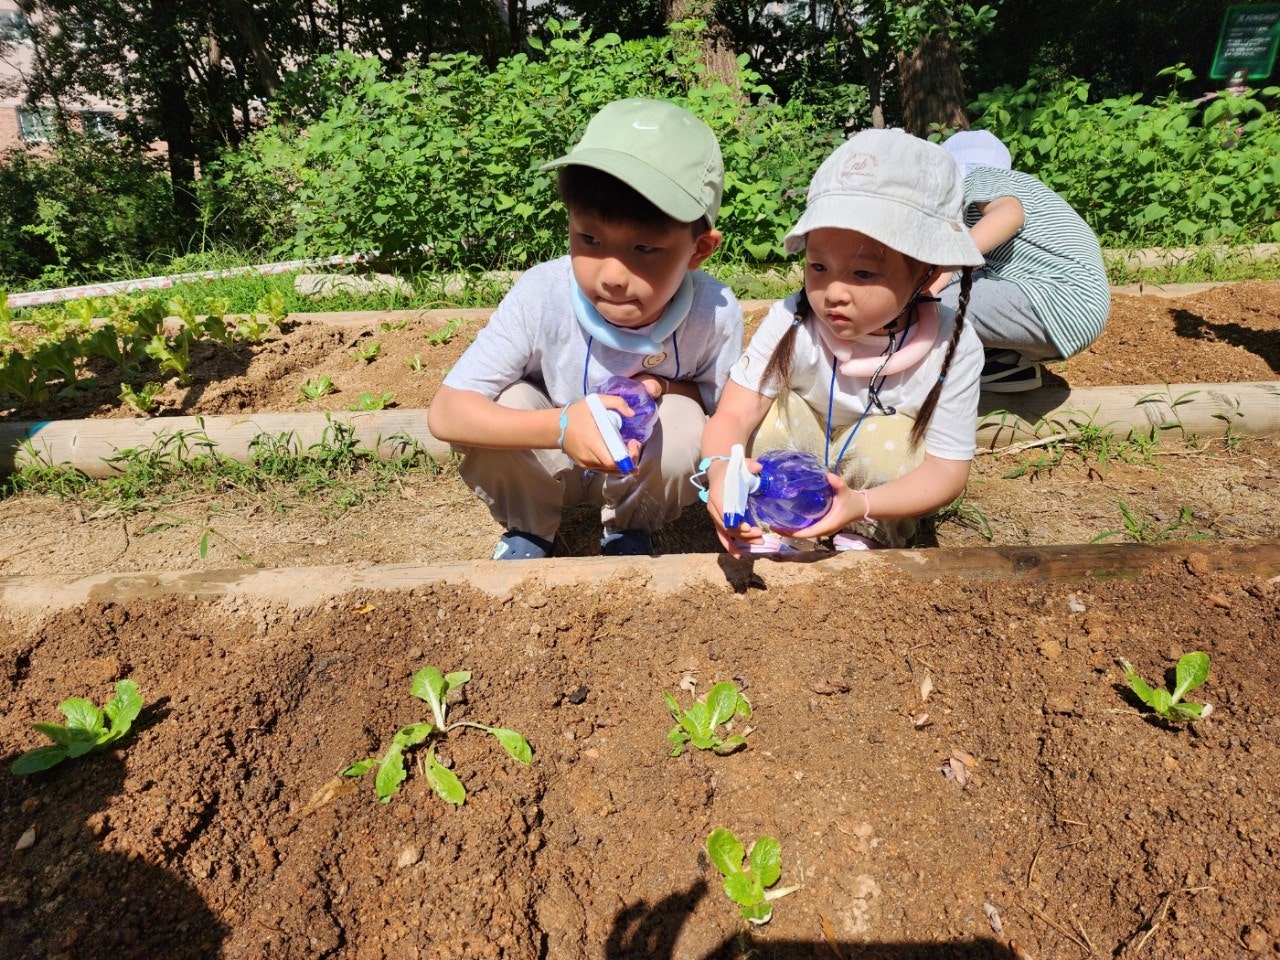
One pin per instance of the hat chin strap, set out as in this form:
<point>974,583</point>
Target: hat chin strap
<point>633,341</point>
<point>874,355</point>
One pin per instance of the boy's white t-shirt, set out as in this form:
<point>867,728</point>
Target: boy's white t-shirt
<point>952,431</point>
<point>534,336</point>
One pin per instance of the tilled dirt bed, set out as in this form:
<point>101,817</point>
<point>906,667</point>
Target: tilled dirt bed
<point>941,740</point>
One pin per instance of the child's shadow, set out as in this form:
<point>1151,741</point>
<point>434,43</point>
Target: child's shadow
<point>1264,343</point>
<point>66,896</point>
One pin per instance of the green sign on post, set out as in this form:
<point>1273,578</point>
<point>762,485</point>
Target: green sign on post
<point>1250,35</point>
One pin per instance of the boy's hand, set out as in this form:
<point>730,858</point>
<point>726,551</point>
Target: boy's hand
<point>656,385</point>
<point>583,442</point>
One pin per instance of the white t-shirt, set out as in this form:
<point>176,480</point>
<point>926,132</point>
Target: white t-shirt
<point>534,336</point>
<point>952,430</point>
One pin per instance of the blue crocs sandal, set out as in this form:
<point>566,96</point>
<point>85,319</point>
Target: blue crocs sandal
<point>627,543</point>
<point>517,545</point>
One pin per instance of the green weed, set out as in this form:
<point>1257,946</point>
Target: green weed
<point>1149,529</point>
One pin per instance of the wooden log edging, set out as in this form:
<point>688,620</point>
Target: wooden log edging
<point>1201,409</point>
<point>1185,409</point>
<point>24,596</point>
<point>90,445</point>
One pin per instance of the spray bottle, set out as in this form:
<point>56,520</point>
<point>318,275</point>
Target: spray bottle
<point>617,429</point>
<point>789,493</point>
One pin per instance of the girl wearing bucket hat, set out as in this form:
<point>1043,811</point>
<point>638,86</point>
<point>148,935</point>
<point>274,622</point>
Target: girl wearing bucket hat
<point>858,368</point>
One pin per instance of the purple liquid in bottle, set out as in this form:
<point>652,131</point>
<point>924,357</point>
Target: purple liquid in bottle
<point>793,491</point>
<point>639,427</point>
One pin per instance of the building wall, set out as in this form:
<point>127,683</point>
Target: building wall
<point>16,58</point>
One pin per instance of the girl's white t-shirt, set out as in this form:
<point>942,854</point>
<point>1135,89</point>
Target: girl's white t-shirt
<point>952,430</point>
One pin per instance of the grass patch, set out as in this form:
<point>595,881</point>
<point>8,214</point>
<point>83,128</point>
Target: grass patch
<point>332,476</point>
<point>1209,264</point>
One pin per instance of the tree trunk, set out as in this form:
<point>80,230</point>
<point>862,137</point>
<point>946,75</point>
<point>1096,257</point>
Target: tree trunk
<point>870,72</point>
<point>175,118</point>
<point>718,53</point>
<point>241,15</point>
<point>933,96</point>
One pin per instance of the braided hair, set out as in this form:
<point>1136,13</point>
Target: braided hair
<point>778,369</point>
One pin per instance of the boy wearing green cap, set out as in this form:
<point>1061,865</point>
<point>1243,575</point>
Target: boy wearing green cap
<point>642,188</point>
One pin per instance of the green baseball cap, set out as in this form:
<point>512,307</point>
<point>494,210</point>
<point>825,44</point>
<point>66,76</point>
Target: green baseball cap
<point>663,152</point>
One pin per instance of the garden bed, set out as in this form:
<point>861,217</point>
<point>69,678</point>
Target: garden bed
<point>221,826</point>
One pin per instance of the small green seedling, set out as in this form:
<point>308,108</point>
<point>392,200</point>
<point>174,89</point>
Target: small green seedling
<point>699,723</point>
<point>315,389</point>
<point>442,336</point>
<point>1191,672</point>
<point>371,401</point>
<point>87,729</point>
<point>431,686</point>
<point>144,400</point>
<point>365,350</point>
<point>747,883</point>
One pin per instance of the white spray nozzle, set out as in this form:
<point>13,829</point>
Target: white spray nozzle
<point>609,423</point>
<point>739,482</point>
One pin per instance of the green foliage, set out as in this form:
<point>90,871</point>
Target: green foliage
<point>1174,172</point>
<point>698,724</point>
<point>747,880</point>
<point>432,687</point>
<point>81,211</point>
<point>87,729</point>
<point>51,347</point>
<point>413,166</point>
<point>1192,671</point>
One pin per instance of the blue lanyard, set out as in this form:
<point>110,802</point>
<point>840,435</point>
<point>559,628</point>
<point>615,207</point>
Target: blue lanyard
<point>675,349</point>
<point>873,400</point>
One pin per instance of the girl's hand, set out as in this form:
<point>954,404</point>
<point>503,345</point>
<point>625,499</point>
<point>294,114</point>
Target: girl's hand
<point>847,506</point>
<point>733,538</point>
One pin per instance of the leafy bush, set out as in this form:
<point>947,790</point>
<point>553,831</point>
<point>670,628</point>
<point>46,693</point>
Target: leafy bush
<point>77,211</point>
<point>440,163</point>
<point>1173,172</point>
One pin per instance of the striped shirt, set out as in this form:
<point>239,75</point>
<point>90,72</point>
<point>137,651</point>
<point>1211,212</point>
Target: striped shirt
<point>1055,259</point>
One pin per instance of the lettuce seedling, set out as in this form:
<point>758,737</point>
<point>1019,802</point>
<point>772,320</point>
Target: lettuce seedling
<point>699,723</point>
<point>1191,672</point>
<point>433,687</point>
<point>87,729</point>
<point>747,884</point>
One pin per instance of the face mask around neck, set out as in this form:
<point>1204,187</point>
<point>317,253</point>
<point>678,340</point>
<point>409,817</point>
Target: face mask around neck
<point>868,355</point>
<point>633,341</point>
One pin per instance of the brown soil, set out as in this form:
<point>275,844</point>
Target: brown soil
<point>1083,827</point>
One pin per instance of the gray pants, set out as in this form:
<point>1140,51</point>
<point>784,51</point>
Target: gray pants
<point>528,490</point>
<point>1002,316</point>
